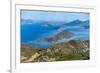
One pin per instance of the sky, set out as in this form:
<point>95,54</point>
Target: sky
<point>53,16</point>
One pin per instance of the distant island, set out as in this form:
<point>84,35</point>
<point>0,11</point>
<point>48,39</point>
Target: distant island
<point>63,34</point>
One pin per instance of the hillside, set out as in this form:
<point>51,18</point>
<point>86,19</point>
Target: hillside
<point>72,50</point>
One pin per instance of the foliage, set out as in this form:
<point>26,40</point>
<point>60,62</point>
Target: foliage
<point>57,52</point>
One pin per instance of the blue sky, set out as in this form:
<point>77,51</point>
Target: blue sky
<point>53,16</point>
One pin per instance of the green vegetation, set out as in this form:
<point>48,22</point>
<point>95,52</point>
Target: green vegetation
<point>73,50</point>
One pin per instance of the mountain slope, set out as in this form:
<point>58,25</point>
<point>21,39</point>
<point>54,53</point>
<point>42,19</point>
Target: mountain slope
<point>73,50</point>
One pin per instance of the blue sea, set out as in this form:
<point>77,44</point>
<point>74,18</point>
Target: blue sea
<point>32,31</point>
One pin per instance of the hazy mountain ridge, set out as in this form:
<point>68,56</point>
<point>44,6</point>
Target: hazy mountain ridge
<point>53,23</point>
